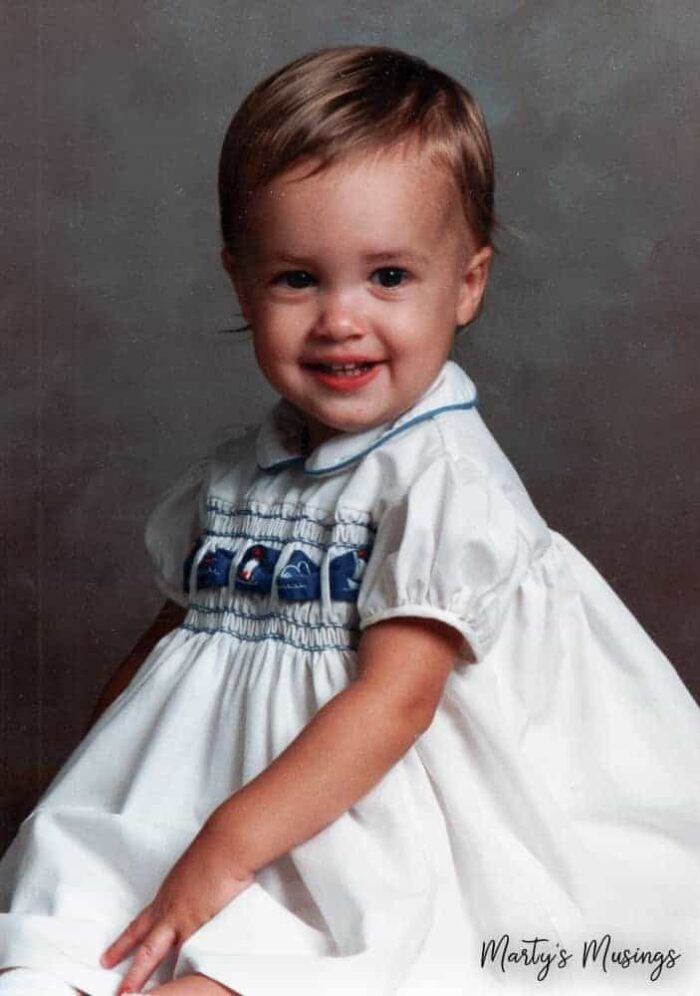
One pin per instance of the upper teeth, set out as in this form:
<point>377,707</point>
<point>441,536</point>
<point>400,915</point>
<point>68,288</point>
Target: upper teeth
<point>344,367</point>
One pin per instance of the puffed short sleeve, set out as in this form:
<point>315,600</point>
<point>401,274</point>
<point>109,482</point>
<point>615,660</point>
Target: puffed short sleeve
<point>173,526</point>
<point>450,549</point>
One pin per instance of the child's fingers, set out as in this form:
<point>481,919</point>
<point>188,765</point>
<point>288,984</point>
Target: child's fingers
<point>128,939</point>
<point>149,955</point>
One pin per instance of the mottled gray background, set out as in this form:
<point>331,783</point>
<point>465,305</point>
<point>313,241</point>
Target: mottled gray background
<point>114,374</point>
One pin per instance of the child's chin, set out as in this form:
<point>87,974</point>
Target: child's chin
<point>323,431</point>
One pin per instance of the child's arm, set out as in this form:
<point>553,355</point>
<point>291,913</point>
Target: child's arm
<point>170,616</point>
<point>337,758</point>
<point>347,747</point>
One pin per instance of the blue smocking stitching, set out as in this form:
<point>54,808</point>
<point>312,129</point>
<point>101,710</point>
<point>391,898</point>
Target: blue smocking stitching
<point>215,506</point>
<point>271,538</point>
<point>264,616</point>
<point>270,636</point>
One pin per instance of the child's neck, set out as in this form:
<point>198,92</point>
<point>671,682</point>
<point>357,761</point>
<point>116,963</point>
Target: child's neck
<point>314,434</point>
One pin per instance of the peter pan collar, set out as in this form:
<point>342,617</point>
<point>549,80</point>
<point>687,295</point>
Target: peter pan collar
<point>279,440</point>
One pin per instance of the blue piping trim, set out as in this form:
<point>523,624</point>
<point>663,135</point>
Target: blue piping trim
<point>390,435</point>
<point>379,442</point>
<point>282,465</point>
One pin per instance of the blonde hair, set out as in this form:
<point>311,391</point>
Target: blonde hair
<point>338,101</point>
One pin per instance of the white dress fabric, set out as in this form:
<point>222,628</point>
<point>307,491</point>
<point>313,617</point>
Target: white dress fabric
<point>32,982</point>
<point>547,821</point>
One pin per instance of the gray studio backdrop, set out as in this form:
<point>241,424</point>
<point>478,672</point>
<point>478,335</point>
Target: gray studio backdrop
<point>116,376</point>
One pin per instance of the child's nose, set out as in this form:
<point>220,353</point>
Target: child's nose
<point>339,317</point>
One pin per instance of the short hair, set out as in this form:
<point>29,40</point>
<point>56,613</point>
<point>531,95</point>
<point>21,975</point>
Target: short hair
<point>338,101</point>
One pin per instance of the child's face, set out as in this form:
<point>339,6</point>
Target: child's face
<point>354,282</point>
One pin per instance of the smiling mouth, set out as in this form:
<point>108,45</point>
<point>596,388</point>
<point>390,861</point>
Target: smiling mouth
<point>341,369</point>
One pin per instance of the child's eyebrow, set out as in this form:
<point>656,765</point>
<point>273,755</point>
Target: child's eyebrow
<point>404,254</point>
<point>287,257</point>
<point>371,257</point>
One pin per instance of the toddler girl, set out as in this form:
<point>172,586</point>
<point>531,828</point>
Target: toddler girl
<point>405,739</point>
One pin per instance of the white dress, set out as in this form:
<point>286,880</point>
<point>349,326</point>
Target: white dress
<point>547,820</point>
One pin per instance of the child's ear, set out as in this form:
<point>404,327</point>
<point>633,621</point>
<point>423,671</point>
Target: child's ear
<point>239,284</point>
<point>474,278</point>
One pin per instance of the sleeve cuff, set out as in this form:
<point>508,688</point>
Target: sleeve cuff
<point>473,647</point>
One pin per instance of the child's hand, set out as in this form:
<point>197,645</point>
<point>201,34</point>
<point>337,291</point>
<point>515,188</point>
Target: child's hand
<point>199,885</point>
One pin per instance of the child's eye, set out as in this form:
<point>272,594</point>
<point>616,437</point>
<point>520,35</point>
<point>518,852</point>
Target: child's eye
<point>295,279</point>
<point>390,276</point>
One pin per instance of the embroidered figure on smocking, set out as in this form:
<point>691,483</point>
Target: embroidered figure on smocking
<point>213,570</point>
<point>345,574</point>
<point>300,579</point>
<point>255,569</point>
